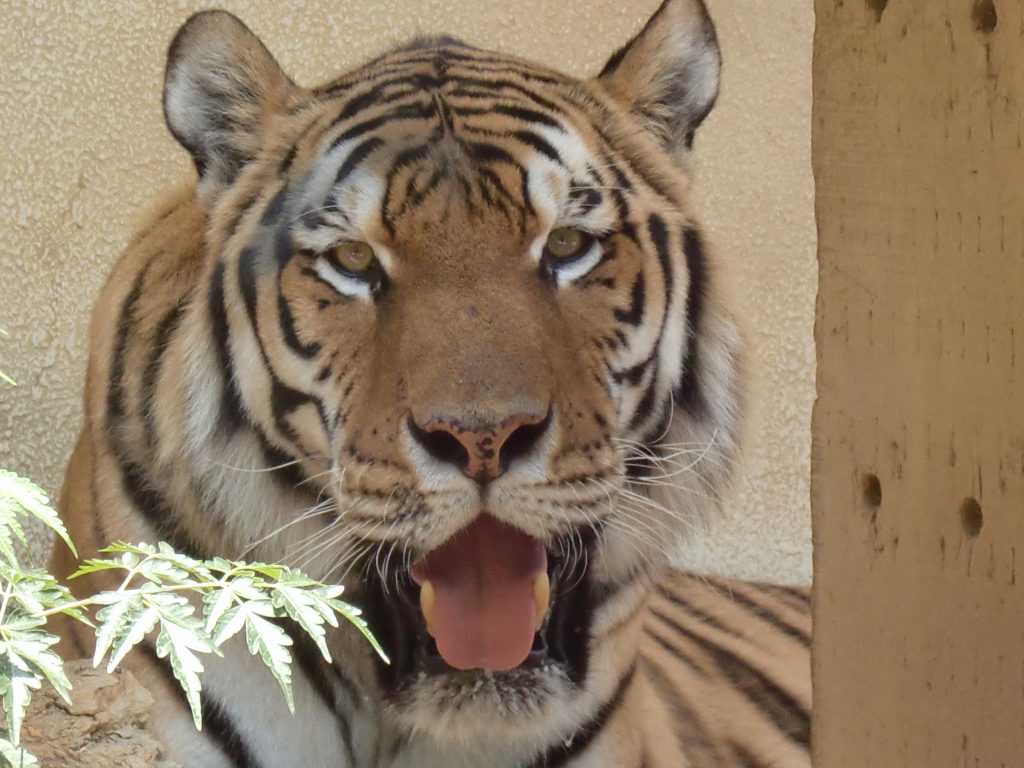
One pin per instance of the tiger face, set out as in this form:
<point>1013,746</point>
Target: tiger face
<point>463,300</point>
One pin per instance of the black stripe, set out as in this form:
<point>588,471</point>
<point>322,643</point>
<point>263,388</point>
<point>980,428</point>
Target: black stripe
<point>763,693</point>
<point>635,375</point>
<point>747,759</point>
<point>564,751</point>
<point>658,428</point>
<point>701,616</point>
<point>291,338</point>
<point>444,112</point>
<point>317,673</point>
<point>418,110</point>
<point>540,145</point>
<point>243,209</point>
<point>373,77</point>
<point>525,114</point>
<point>635,314</point>
<point>645,407</point>
<point>151,373</point>
<point>356,157</point>
<point>603,593</point>
<point>498,185</point>
<point>116,383</point>
<point>285,470</point>
<point>152,504</point>
<point>689,393</point>
<point>490,67</point>
<point>147,501</point>
<point>659,238</point>
<point>283,399</point>
<point>416,192</point>
<point>376,94</point>
<point>402,161</point>
<point>675,652</point>
<point>469,59</point>
<point>490,153</point>
<point>796,599</point>
<point>799,596</point>
<point>766,614</point>
<point>585,198</point>
<point>658,233</point>
<point>274,208</point>
<point>489,86</point>
<point>619,188</point>
<point>216,721</point>
<point>286,162</point>
<point>692,738</point>
<point>232,412</point>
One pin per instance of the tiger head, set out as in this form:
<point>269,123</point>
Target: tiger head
<point>463,300</point>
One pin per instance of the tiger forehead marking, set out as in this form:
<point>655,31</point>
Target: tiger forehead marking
<point>482,151</point>
<point>443,330</point>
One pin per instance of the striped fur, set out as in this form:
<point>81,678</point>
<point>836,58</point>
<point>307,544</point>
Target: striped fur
<point>249,396</point>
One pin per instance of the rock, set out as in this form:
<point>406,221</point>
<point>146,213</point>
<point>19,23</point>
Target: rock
<point>103,727</point>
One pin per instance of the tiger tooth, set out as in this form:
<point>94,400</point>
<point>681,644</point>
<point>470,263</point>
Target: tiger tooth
<point>542,596</point>
<point>427,597</point>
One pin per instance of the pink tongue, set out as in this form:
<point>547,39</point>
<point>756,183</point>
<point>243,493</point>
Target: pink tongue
<point>484,610</point>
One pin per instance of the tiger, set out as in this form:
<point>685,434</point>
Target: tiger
<point>445,331</point>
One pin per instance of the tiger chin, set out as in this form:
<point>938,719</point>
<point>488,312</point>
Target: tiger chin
<point>444,330</point>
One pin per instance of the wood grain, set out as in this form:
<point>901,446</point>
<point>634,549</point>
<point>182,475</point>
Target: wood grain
<point>918,432</point>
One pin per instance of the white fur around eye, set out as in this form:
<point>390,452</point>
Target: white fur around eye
<point>342,283</point>
<point>577,268</point>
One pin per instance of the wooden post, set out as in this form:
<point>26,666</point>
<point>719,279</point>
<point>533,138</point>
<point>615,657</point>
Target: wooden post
<point>918,469</point>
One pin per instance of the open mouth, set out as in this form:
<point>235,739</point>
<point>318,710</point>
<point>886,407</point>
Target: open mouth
<point>484,595</point>
<point>492,599</point>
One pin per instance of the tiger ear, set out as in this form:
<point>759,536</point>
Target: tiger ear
<point>220,87</point>
<point>668,74</point>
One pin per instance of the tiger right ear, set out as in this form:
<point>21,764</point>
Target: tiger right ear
<point>220,87</point>
<point>668,74</point>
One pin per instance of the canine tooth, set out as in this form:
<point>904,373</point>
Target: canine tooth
<point>542,596</point>
<point>427,596</point>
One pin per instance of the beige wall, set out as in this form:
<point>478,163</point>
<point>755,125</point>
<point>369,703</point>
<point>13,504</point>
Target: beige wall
<point>83,149</point>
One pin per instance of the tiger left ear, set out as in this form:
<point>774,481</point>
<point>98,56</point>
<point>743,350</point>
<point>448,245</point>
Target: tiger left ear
<point>221,88</point>
<point>668,74</point>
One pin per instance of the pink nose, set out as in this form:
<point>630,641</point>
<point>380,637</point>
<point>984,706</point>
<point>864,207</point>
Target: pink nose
<point>483,453</point>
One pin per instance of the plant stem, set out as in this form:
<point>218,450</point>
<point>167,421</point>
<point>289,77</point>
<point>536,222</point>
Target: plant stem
<point>7,597</point>
<point>163,589</point>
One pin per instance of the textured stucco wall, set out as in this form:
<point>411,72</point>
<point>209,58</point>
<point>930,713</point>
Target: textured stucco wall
<point>83,150</point>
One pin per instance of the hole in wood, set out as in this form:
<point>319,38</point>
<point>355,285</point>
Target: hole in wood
<point>878,6</point>
<point>971,518</point>
<point>871,491</point>
<point>985,16</point>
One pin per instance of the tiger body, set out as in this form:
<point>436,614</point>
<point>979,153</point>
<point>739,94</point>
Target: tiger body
<point>257,390</point>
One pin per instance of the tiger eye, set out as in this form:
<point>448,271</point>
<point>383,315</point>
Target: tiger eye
<point>354,256</point>
<point>565,242</point>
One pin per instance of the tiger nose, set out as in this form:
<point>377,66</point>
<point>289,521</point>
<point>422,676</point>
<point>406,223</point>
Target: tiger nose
<point>482,453</point>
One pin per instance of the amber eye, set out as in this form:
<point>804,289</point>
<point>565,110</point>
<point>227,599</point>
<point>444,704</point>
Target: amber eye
<point>354,256</point>
<point>566,243</point>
